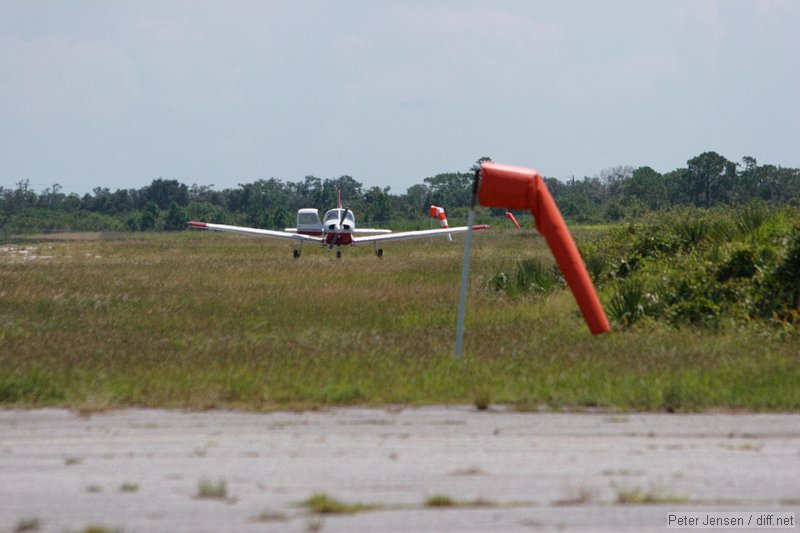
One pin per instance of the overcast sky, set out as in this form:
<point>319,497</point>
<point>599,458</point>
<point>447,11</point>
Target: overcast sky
<point>116,93</point>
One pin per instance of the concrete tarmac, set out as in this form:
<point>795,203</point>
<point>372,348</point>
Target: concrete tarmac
<point>143,470</point>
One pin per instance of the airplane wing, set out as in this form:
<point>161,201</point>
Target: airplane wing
<point>416,234</point>
<point>371,230</point>
<point>256,231</point>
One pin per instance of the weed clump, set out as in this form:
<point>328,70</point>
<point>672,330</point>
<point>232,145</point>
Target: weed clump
<point>207,489</point>
<point>323,504</point>
<point>129,487</point>
<point>440,500</point>
<point>443,501</point>
<point>28,524</point>
<point>96,528</point>
<point>637,496</point>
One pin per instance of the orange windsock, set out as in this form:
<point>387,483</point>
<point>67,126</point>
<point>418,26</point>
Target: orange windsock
<point>438,213</point>
<point>443,219</point>
<point>512,218</point>
<point>523,188</point>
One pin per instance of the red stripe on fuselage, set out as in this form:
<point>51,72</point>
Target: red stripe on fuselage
<point>342,239</point>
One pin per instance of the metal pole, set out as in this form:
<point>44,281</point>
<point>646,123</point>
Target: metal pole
<point>462,298</point>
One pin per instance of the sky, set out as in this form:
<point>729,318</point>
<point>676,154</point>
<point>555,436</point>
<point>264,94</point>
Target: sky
<point>117,93</point>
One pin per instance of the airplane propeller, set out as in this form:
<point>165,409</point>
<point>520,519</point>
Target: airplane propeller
<point>336,231</point>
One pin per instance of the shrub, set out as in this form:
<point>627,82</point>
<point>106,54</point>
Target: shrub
<point>691,231</point>
<point>531,276</point>
<point>741,263</point>
<point>630,302</point>
<point>780,288</point>
<point>708,267</point>
<point>751,217</point>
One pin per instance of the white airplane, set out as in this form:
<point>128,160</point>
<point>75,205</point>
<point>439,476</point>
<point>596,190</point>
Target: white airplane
<point>338,228</point>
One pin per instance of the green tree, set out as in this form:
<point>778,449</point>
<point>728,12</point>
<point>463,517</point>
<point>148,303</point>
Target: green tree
<point>378,205</point>
<point>712,178</point>
<point>281,218</point>
<point>206,212</point>
<point>614,181</point>
<point>479,162</point>
<point>20,198</point>
<point>648,186</point>
<point>163,192</point>
<point>418,200</point>
<point>747,182</point>
<point>176,217</point>
<point>624,207</point>
<point>678,184</point>
<point>307,193</point>
<point>149,217</point>
<point>451,189</point>
<point>350,189</point>
<point>779,185</point>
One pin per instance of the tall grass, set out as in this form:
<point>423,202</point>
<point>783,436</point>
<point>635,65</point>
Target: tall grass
<point>202,320</point>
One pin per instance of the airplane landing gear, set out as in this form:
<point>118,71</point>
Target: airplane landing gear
<point>338,254</point>
<point>296,254</point>
<point>379,252</point>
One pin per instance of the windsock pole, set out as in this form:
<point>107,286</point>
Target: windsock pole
<point>523,188</point>
<point>462,293</point>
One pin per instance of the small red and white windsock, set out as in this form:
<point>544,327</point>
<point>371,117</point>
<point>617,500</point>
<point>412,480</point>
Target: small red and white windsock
<point>438,212</point>
<point>512,218</point>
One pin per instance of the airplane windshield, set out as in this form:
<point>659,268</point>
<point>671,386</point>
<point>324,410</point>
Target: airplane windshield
<point>336,214</point>
<point>308,219</point>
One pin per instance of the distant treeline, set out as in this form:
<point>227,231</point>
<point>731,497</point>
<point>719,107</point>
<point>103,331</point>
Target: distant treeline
<point>616,194</point>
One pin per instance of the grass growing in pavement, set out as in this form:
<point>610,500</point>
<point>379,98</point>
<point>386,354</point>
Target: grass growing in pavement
<point>637,496</point>
<point>208,489</point>
<point>28,524</point>
<point>129,487</point>
<point>444,501</point>
<point>440,500</point>
<point>324,504</point>
<point>202,320</point>
<point>96,528</point>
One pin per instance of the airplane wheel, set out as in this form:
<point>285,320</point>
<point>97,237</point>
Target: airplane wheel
<point>338,254</point>
<point>296,254</point>
<point>379,252</point>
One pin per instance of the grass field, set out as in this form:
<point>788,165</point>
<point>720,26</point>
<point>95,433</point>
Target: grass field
<point>199,320</point>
